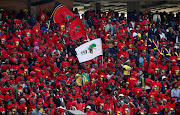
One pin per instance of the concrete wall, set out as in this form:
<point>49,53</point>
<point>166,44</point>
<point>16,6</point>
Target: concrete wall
<point>17,5</point>
<point>49,6</point>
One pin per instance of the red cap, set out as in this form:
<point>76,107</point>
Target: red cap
<point>170,42</point>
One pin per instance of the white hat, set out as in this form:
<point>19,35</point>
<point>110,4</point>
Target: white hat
<point>96,92</point>
<point>88,107</point>
<point>127,61</point>
<point>163,77</point>
<point>177,47</point>
<point>135,34</point>
<point>121,95</point>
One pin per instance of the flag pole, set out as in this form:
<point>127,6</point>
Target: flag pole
<point>49,24</point>
<point>102,59</point>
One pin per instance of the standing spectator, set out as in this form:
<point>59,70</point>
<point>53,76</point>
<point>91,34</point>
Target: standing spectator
<point>175,92</point>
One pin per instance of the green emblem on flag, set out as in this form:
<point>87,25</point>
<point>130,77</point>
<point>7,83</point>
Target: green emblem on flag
<point>77,28</point>
<point>68,17</point>
<point>91,47</point>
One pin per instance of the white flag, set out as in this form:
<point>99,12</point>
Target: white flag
<point>89,50</point>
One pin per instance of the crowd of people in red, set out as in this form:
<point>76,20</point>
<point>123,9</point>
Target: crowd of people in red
<point>138,75</point>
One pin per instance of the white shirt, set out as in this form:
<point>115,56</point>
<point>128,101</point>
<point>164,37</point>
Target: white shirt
<point>162,35</point>
<point>156,17</point>
<point>175,93</point>
<point>108,76</point>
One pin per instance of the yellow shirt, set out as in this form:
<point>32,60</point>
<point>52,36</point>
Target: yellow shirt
<point>127,70</point>
<point>79,79</point>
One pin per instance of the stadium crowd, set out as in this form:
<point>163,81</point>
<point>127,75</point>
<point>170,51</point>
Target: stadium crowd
<point>138,74</point>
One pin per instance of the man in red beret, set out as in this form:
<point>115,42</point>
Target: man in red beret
<point>101,102</point>
<point>3,79</point>
<point>171,106</point>
<point>132,81</point>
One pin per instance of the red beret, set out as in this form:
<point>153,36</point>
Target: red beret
<point>40,91</point>
<point>173,62</point>
<point>142,54</point>
<point>137,68</point>
<point>39,103</point>
<point>32,72</point>
<point>134,60</point>
<point>33,94</point>
<point>173,99</point>
<point>133,63</point>
<point>136,75</point>
<point>4,73</point>
<point>74,103</point>
<point>156,60</point>
<point>39,99</point>
<point>159,99</point>
<point>139,42</point>
<point>47,110</point>
<point>151,50</point>
<point>37,64</point>
<point>4,67</point>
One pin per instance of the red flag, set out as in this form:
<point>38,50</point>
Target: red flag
<point>43,16</point>
<point>61,14</point>
<point>76,29</point>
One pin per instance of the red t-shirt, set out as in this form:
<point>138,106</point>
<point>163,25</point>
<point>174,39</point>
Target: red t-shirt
<point>132,81</point>
<point>101,103</point>
<point>154,110</point>
<point>153,96</point>
<point>157,85</point>
<point>79,106</point>
<point>137,91</point>
<point>2,109</point>
<point>170,106</point>
<point>91,113</point>
<point>128,109</point>
<point>23,108</point>
<point>109,108</point>
<point>119,111</point>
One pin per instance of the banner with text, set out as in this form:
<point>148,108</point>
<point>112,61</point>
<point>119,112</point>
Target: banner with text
<point>89,50</point>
